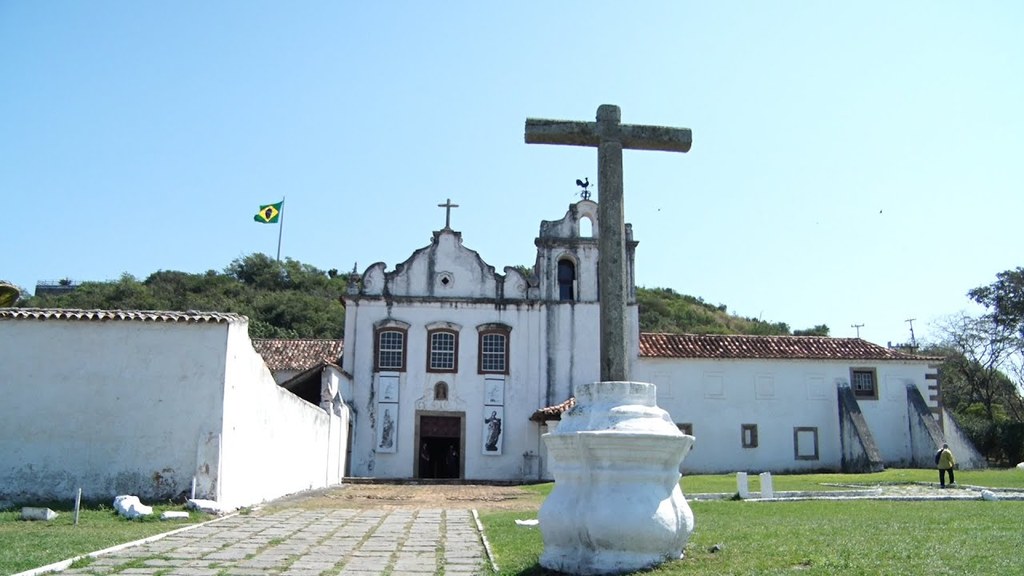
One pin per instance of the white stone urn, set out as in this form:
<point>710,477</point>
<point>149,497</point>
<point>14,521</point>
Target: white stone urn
<point>616,505</point>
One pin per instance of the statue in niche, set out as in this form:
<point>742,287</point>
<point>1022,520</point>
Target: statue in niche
<point>493,431</point>
<point>387,437</point>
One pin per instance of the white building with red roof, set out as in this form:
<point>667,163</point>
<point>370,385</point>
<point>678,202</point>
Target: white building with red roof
<point>449,369</point>
<point>456,371</point>
<point>798,403</point>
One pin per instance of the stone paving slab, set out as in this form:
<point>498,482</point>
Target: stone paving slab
<point>308,543</point>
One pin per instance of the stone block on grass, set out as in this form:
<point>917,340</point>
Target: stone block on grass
<point>174,515</point>
<point>33,513</point>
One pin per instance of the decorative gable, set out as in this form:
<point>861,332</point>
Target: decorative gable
<point>444,269</point>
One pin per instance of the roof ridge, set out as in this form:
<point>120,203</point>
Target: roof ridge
<point>80,314</point>
<point>663,345</point>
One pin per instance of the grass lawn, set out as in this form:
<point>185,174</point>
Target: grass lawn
<point>26,545</point>
<point>820,537</point>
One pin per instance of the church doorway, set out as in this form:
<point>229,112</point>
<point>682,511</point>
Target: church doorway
<point>439,436</point>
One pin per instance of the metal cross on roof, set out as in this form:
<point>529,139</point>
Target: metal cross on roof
<point>448,213</point>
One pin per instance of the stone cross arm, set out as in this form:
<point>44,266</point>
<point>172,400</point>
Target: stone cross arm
<point>631,136</point>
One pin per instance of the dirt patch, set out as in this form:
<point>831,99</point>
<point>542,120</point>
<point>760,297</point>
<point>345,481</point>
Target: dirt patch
<point>413,496</point>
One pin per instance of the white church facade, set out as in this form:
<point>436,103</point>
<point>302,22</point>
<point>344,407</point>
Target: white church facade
<point>453,370</point>
<point>448,359</point>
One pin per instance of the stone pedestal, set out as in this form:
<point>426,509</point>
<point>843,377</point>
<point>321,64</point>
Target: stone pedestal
<point>616,506</point>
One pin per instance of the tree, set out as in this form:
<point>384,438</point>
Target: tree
<point>1004,299</point>
<point>819,330</point>
<point>978,350</point>
<point>1004,304</point>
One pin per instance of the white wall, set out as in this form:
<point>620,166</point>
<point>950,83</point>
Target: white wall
<point>718,396</point>
<point>274,443</point>
<point>125,406</point>
<point>112,407</point>
<point>523,386</point>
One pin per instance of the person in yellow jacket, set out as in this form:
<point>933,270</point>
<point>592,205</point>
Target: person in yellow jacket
<point>945,462</point>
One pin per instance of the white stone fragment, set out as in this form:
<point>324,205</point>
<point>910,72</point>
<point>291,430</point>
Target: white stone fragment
<point>767,490</point>
<point>31,513</point>
<point>209,506</point>
<point>1020,466</point>
<point>131,507</point>
<point>174,515</point>
<point>989,495</point>
<point>530,522</point>
<point>742,485</point>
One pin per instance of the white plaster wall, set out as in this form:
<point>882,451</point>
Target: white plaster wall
<point>573,348</point>
<point>888,416</point>
<point>470,276</point>
<point>523,390</point>
<point>109,406</point>
<point>274,443</point>
<point>718,396</point>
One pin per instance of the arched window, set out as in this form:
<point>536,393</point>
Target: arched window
<point>566,279</point>
<point>586,227</point>
<point>493,347</point>
<point>390,344</point>
<point>389,350</point>
<point>441,391</point>
<point>443,353</point>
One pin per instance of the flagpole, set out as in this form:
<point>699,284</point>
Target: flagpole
<point>280,229</point>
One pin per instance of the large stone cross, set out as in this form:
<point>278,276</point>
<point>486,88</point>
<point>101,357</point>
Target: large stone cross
<point>610,136</point>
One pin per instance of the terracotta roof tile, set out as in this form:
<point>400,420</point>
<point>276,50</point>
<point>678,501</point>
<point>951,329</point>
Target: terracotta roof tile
<point>291,354</point>
<point>553,412</point>
<point>773,347</point>
<point>127,315</point>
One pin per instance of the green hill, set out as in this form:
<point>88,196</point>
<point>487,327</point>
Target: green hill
<point>664,310</point>
<point>294,300</point>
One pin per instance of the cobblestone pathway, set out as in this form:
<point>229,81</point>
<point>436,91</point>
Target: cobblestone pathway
<point>310,543</point>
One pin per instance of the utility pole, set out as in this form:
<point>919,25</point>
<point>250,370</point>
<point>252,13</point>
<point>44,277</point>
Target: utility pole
<point>858,327</point>
<point>913,341</point>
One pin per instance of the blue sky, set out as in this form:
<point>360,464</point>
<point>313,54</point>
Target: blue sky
<point>852,163</point>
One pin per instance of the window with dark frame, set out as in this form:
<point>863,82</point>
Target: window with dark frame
<point>805,443</point>
<point>443,351</point>
<point>748,435</point>
<point>566,279</point>
<point>494,353</point>
<point>390,350</point>
<point>864,383</point>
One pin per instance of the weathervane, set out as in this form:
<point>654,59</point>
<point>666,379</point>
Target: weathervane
<point>585,194</point>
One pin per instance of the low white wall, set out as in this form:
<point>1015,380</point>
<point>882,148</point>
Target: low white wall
<point>273,442</point>
<point>131,407</point>
<point>111,407</point>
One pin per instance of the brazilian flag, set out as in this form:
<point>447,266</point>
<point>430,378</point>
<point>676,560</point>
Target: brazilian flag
<point>269,213</point>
